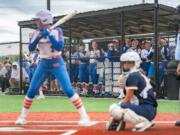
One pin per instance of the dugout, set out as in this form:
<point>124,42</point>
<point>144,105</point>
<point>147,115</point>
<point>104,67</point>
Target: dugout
<point>134,19</point>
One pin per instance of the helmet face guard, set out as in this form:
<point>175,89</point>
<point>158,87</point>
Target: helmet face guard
<point>130,57</point>
<point>127,63</point>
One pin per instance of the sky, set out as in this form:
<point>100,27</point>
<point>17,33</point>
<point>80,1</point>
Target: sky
<point>12,11</point>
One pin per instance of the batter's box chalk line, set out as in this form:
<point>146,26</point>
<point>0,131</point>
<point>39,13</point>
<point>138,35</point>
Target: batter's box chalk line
<point>70,132</point>
<point>21,129</point>
<point>53,122</point>
<point>14,128</point>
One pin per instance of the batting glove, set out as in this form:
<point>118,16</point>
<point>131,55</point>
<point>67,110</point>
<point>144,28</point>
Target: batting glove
<point>44,32</point>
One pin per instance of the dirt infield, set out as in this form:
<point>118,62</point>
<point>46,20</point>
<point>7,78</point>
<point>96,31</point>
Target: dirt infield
<point>66,124</point>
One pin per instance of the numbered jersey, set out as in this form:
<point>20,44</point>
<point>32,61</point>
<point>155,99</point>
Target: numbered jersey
<point>143,89</point>
<point>45,47</point>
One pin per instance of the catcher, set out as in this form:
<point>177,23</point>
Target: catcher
<point>139,105</point>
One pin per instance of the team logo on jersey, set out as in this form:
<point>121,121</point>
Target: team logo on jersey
<point>56,65</point>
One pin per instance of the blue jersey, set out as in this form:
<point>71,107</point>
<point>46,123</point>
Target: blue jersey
<point>114,55</point>
<point>143,89</point>
<point>83,57</point>
<point>165,52</point>
<point>125,48</point>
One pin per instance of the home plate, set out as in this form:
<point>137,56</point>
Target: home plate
<point>10,128</point>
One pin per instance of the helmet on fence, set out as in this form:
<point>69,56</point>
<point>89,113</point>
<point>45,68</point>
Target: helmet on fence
<point>131,56</point>
<point>45,16</point>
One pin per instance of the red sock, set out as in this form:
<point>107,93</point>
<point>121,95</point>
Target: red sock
<point>27,102</point>
<point>77,103</point>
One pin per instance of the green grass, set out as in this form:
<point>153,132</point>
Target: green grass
<point>62,104</point>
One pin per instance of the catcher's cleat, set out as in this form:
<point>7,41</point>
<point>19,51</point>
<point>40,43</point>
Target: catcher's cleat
<point>112,124</point>
<point>143,126</point>
<point>121,126</point>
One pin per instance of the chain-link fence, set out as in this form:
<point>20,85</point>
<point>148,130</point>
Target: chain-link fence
<point>106,72</point>
<point>99,78</point>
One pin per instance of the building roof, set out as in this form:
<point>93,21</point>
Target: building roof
<point>138,19</point>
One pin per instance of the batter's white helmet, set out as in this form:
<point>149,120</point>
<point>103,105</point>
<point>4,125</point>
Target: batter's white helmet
<point>131,56</point>
<point>45,16</point>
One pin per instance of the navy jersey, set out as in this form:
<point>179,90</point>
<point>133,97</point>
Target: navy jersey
<point>143,89</point>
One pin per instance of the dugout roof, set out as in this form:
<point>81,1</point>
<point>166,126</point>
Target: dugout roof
<point>138,19</point>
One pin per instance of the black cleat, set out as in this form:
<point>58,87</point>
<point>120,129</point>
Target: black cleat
<point>121,126</point>
<point>112,124</point>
